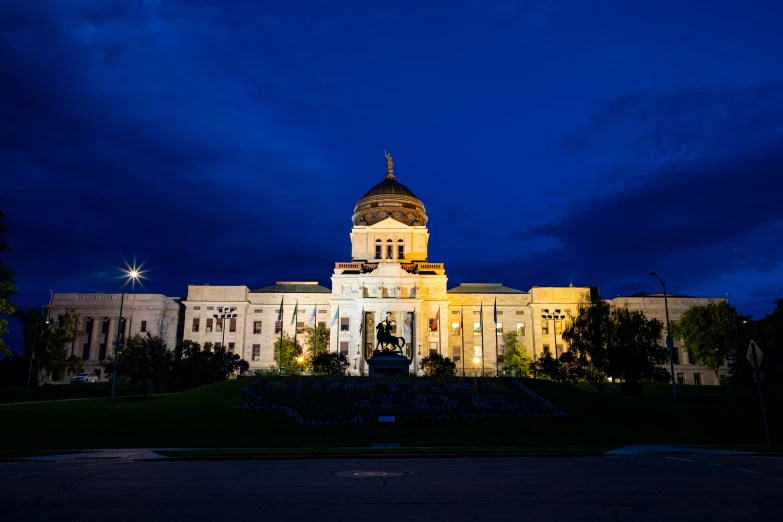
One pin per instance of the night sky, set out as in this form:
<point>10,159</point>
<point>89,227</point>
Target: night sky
<point>551,142</point>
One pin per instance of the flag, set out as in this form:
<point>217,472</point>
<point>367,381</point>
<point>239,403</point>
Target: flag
<point>315,307</point>
<point>437,320</point>
<point>280,312</point>
<point>496,311</point>
<point>336,315</point>
<point>481,317</point>
<point>361,321</point>
<point>293,317</point>
<point>461,322</point>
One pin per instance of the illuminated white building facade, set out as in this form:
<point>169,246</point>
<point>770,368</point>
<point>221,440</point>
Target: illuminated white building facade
<point>388,277</point>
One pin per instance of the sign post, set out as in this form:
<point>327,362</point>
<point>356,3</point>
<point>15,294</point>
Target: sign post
<point>754,356</point>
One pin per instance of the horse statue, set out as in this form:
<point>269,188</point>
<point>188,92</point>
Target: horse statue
<point>385,338</point>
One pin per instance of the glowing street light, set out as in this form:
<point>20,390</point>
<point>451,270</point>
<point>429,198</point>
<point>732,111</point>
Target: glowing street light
<point>134,274</point>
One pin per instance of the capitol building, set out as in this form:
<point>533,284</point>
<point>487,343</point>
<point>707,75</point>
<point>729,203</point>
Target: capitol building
<point>390,279</point>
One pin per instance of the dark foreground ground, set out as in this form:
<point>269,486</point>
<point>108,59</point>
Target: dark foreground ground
<point>590,488</point>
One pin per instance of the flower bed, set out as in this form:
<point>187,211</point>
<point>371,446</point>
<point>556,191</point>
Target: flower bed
<point>329,401</point>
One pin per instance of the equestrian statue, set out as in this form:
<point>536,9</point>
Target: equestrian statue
<point>385,338</point>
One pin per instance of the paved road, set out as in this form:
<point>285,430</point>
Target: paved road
<point>536,488</point>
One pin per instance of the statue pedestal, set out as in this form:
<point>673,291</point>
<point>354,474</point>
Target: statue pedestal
<point>391,365</point>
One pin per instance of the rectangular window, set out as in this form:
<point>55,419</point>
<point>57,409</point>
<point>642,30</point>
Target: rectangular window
<point>209,325</point>
<point>545,327</point>
<point>88,326</point>
<point>257,310</point>
<point>558,350</point>
<point>256,352</point>
<point>232,325</point>
<point>676,354</point>
<point>105,326</point>
<point>697,379</point>
<point>256,327</point>
<point>558,327</point>
<point>455,353</point>
<point>377,251</point>
<point>499,328</point>
<point>210,308</point>
<point>476,328</point>
<point>278,326</point>
<point>390,252</point>
<point>433,349</point>
<point>195,324</point>
<point>231,347</point>
<point>546,348</point>
<point>218,325</point>
<point>299,327</point>
<point>433,324</point>
<point>400,252</point>
<point>86,351</point>
<point>345,324</point>
<point>217,346</point>
<point>207,347</point>
<point>680,378</point>
<point>143,326</point>
<point>344,348</point>
<point>520,329</point>
<point>197,308</point>
<point>520,312</point>
<point>455,329</point>
<point>102,351</point>
<point>321,324</point>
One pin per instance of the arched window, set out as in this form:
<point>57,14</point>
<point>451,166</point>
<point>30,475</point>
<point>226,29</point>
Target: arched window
<point>389,249</point>
<point>378,247</point>
<point>400,249</point>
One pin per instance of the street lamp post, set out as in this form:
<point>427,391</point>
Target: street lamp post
<point>669,342</point>
<point>225,314</point>
<point>32,349</point>
<point>133,275</point>
<point>555,317</point>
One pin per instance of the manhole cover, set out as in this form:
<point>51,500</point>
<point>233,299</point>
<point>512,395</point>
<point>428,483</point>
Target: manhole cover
<point>367,474</point>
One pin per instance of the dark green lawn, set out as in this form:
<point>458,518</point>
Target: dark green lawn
<point>204,418</point>
<point>66,391</point>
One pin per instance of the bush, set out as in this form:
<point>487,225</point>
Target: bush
<point>330,363</point>
<point>436,365</point>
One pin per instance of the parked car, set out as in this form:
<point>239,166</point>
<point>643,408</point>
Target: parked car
<point>84,377</point>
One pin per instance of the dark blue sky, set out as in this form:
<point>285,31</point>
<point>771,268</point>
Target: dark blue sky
<point>227,142</point>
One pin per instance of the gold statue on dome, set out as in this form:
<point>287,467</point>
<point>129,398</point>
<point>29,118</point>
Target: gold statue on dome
<point>389,162</point>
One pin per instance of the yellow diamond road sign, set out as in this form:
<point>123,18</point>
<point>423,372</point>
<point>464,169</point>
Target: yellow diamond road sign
<point>759,354</point>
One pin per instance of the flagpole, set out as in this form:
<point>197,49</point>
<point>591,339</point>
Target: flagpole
<point>280,357</point>
<point>497,364</point>
<point>294,320</point>
<point>439,336</point>
<point>481,310</point>
<point>462,329</point>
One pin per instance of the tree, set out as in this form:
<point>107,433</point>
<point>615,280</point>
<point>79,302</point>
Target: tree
<point>291,352</point>
<point>321,336</point>
<point>710,333</point>
<point>330,363</point>
<point>7,291</point>
<point>636,355</point>
<point>435,365</point>
<point>589,333</point>
<point>516,357</point>
<point>194,366</point>
<point>145,359</point>
<point>768,334</point>
<point>50,347</point>
<point>548,367</point>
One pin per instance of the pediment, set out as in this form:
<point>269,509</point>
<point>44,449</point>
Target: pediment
<point>389,224</point>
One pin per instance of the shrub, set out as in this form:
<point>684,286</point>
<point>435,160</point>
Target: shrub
<point>436,365</point>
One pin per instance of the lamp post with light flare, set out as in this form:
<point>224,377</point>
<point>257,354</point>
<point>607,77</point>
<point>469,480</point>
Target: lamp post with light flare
<point>133,275</point>
<point>669,342</point>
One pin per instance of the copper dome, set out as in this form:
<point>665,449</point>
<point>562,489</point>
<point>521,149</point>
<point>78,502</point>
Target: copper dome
<point>389,199</point>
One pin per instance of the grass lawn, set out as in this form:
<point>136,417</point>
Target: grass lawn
<point>204,418</point>
<point>66,391</point>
